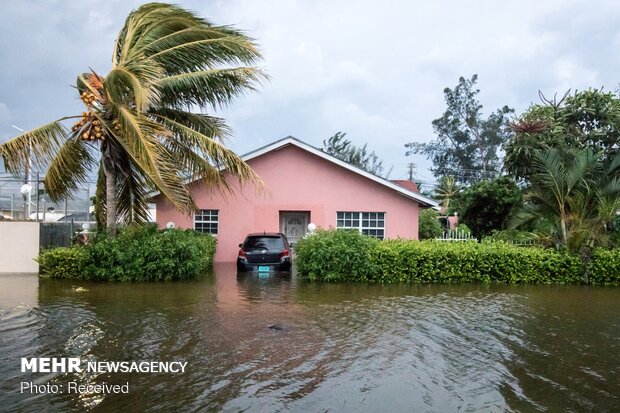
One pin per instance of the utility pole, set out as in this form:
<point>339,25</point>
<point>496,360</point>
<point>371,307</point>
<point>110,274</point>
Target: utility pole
<point>411,168</point>
<point>26,188</point>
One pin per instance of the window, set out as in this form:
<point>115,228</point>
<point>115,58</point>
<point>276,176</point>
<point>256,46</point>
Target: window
<point>368,223</point>
<point>263,242</point>
<point>206,220</point>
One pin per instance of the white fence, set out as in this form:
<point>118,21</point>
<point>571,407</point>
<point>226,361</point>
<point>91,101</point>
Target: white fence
<point>463,236</point>
<point>456,235</point>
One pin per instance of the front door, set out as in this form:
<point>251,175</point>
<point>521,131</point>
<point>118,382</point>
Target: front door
<point>294,225</point>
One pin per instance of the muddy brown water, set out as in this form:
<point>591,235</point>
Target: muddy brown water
<point>267,344</point>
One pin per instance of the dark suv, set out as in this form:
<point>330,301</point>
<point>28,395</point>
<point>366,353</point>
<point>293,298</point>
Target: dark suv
<point>264,252</point>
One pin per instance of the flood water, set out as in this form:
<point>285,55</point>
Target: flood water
<point>280,344</point>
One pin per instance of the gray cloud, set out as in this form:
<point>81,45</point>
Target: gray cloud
<point>373,70</point>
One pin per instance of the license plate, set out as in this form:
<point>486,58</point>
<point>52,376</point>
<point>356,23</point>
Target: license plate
<point>263,268</point>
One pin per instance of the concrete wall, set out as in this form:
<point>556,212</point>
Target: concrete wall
<point>295,180</point>
<point>19,246</point>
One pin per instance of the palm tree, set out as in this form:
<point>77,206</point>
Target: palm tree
<point>166,61</point>
<point>573,197</point>
<point>447,190</point>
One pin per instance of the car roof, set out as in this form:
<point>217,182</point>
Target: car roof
<point>265,234</point>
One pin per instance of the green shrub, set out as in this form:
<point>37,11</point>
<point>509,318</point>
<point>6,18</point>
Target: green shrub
<point>605,267</point>
<point>335,255</point>
<point>429,226</point>
<point>136,254</point>
<point>63,262</point>
<point>463,228</point>
<point>390,261</point>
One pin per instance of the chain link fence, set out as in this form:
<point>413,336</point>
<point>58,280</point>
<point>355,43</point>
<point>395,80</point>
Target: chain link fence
<point>27,200</point>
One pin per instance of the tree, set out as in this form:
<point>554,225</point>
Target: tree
<point>447,190</point>
<point>429,226</point>
<point>346,151</point>
<point>487,205</point>
<point>467,145</point>
<point>166,61</point>
<point>573,197</point>
<point>585,119</point>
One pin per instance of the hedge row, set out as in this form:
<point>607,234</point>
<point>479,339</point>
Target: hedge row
<point>338,255</point>
<point>136,254</point>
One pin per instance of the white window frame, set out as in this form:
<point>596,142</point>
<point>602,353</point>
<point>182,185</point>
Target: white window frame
<point>211,219</point>
<point>350,218</point>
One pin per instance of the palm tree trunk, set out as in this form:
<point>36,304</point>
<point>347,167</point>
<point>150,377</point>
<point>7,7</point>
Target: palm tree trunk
<point>564,231</point>
<point>110,199</point>
<point>586,258</point>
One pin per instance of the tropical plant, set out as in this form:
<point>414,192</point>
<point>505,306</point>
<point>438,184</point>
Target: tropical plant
<point>166,61</point>
<point>574,195</point>
<point>579,120</point>
<point>446,191</point>
<point>467,145</point>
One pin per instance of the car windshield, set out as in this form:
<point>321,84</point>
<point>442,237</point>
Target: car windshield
<point>261,243</point>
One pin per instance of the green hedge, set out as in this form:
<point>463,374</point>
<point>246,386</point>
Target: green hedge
<point>136,254</point>
<point>348,256</point>
<point>63,262</point>
<point>341,255</point>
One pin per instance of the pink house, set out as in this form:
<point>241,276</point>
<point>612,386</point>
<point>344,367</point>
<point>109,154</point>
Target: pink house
<point>302,185</point>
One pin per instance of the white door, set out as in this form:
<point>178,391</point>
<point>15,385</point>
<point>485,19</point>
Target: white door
<point>294,225</point>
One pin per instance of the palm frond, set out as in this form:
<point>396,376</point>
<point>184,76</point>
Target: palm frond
<point>132,195</point>
<point>529,212</point>
<point>69,168</point>
<point>135,84</point>
<point>38,146</point>
<point>214,87</point>
<point>179,40</point>
<point>214,151</point>
<point>135,24</point>
<point>140,139</point>
<point>207,53</point>
<point>211,126</point>
<point>177,32</point>
<point>614,165</point>
<point>194,167</point>
<point>551,173</point>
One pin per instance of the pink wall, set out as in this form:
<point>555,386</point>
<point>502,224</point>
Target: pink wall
<point>296,180</point>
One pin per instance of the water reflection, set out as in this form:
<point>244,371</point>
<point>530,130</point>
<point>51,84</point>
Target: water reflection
<point>274,343</point>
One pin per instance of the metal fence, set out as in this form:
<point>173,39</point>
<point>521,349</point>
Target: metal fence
<point>56,234</point>
<point>27,200</point>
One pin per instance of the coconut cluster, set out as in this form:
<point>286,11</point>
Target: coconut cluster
<point>88,98</point>
<point>89,128</point>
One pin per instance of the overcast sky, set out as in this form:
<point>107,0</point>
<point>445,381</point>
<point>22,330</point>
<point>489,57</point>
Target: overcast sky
<point>373,69</point>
